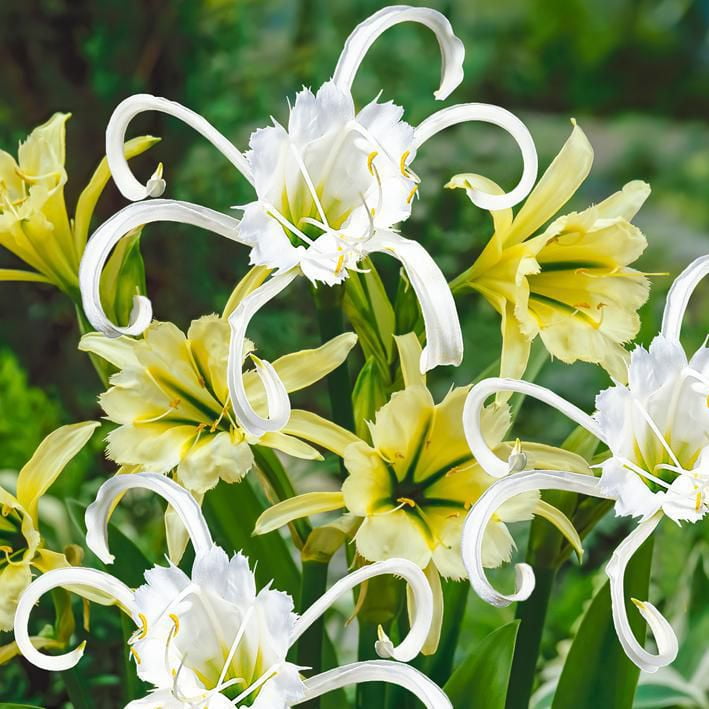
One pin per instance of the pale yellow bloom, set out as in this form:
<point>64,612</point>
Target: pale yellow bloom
<point>412,486</point>
<point>20,540</point>
<point>34,222</point>
<point>171,400</point>
<point>571,284</point>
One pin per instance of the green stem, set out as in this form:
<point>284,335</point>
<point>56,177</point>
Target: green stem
<point>532,614</point>
<point>309,650</point>
<point>76,689</point>
<point>369,694</point>
<point>440,666</point>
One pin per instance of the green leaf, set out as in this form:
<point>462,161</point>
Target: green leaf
<point>663,694</point>
<point>481,680</point>
<point>232,511</point>
<point>10,705</point>
<point>368,396</point>
<point>597,673</point>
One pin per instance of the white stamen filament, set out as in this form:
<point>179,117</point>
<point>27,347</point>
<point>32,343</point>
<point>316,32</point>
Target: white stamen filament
<point>98,581</point>
<point>100,245</point>
<point>411,645</point>
<point>124,113</point>
<point>186,507</point>
<point>664,635</point>
<point>493,464</point>
<point>655,429</point>
<point>484,510</point>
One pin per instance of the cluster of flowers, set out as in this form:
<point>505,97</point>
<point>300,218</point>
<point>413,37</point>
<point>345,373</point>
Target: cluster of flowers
<point>430,487</point>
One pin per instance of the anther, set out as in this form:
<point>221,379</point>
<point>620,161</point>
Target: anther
<point>370,160</point>
<point>176,622</point>
<point>143,626</point>
<point>402,163</point>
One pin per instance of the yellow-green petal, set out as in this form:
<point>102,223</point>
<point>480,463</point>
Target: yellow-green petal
<point>311,503</point>
<point>562,523</point>
<point>320,431</point>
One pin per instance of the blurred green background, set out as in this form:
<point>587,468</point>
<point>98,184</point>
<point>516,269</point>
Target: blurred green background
<point>634,74</point>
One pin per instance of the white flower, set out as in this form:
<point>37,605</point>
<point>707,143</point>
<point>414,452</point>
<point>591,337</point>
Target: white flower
<point>657,431</point>
<point>211,640</point>
<point>330,188</point>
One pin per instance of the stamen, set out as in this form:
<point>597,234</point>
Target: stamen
<point>370,159</point>
<point>143,626</point>
<point>653,426</point>
<point>135,654</point>
<point>402,163</point>
<point>643,473</point>
<point>414,190</point>
<point>406,501</point>
<point>308,182</point>
<point>176,622</point>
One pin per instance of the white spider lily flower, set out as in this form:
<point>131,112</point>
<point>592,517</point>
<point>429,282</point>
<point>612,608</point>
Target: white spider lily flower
<point>211,639</point>
<point>657,431</point>
<point>330,188</point>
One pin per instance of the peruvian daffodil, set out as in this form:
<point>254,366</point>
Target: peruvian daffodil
<point>410,489</point>
<point>210,639</point>
<point>572,283</point>
<point>21,545</point>
<point>171,401</point>
<point>330,188</point>
<point>656,429</point>
<point>34,222</point>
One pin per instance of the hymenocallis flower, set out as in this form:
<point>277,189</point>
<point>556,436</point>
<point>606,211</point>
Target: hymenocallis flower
<point>211,640</point>
<point>34,223</point>
<point>21,543</point>
<point>657,432</point>
<point>572,283</point>
<point>412,487</point>
<point>330,189</point>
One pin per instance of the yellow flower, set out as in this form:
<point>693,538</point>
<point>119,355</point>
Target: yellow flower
<point>570,284</point>
<point>171,401</point>
<point>34,222</point>
<point>20,540</point>
<point>411,488</point>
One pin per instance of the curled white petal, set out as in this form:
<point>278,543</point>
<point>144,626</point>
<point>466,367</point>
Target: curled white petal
<point>430,694</point>
<point>181,501</point>
<point>367,32</point>
<point>444,340</point>
<point>490,501</point>
<point>665,637</point>
<point>128,109</point>
<point>411,645</point>
<point>493,465</point>
<point>63,578</point>
<point>99,247</point>
<point>462,113</point>
<point>679,295</point>
<point>276,394</point>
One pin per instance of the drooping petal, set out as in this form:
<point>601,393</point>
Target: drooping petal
<point>275,391</point>
<point>320,431</point>
<point>367,32</point>
<point>486,507</point>
<point>119,351</point>
<point>18,275</point>
<point>464,112</point>
<point>562,523</point>
<point>311,503</point>
<point>128,109</point>
<point>444,340</point>
<point>48,461</point>
<point>474,405</point>
<point>679,295</point>
<point>113,230</point>
<point>411,645</point>
<point>396,673</point>
<point>182,502</point>
<point>62,578</point>
<point>665,637</point>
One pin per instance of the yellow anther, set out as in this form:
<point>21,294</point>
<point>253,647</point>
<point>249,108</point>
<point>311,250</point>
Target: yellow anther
<point>340,263</point>
<point>582,305</point>
<point>370,160</point>
<point>698,502</point>
<point>414,190</point>
<point>406,501</point>
<point>175,403</point>
<point>402,163</point>
<point>176,621</point>
<point>143,626</point>
<point>135,654</point>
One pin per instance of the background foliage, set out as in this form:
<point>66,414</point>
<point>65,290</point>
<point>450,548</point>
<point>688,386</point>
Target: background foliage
<point>634,73</point>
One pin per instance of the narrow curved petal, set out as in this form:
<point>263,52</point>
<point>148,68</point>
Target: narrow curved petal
<point>311,503</point>
<point>430,694</point>
<point>444,340</point>
<point>411,645</point>
<point>679,295</point>
<point>276,394</point>
<point>665,637</point>
<point>62,578</point>
<point>464,112</point>
<point>320,431</point>
<point>181,501</point>
<point>485,508</point>
<point>367,32</point>
<point>113,230</point>
<point>556,517</point>
<point>128,109</point>
<point>493,465</point>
